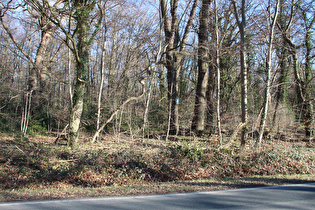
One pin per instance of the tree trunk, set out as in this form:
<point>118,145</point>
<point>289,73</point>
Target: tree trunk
<point>283,64</point>
<point>282,87</point>
<point>217,63</point>
<point>243,54</point>
<point>169,30</point>
<point>82,62</point>
<point>77,109</point>
<point>174,56</point>
<point>303,98</point>
<point>303,82</point>
<point>171,87</point>
<point>308,113</point>
<point>40,68</point>
<point>210,100</point>
<point>198,123</point>
<point>40,57</point>
<point>269,62</point>
<point>101,88</point>
<point>70,78</point>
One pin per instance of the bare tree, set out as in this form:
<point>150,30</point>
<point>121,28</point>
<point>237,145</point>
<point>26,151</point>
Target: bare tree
<point>102,72</point>
<point>175,46</point>
<point>39,67</point>
<point>198,122</point>
<point>79,41</point>
<point>271,21</point>
<point>283,52</point>
<point>242,28</point>
<point>303,77</point>
<point>308,17</point>
<point>218,45</point>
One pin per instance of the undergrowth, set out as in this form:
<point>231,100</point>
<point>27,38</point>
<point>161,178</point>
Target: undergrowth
<point>37,163</point>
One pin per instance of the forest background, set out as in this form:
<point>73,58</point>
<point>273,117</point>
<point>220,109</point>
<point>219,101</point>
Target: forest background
<point>236,74</point>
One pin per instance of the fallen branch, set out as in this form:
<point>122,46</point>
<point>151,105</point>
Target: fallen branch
<point>116,111</point>
<point>63,135</point>
<point>9,101</point>
<point>27,157</point>
<point>238,129</point>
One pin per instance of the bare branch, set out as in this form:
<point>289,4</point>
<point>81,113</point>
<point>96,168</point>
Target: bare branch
<point>14,41</point>
<point>9,102</point>
<point>236,13</point>
<point>116,112</point>
<point>188,26</point>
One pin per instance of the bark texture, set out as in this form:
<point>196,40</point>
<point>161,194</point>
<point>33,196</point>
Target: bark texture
<point>198,123</point>
<point>82,13</point>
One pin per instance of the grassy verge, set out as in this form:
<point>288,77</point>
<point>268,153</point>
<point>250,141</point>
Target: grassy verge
<point>35,169</point>
<point>49,193</point>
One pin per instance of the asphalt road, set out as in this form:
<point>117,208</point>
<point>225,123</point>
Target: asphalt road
<point>301,196</point>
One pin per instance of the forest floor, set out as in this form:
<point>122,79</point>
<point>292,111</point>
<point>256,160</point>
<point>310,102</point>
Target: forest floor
<point>35,168</point>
